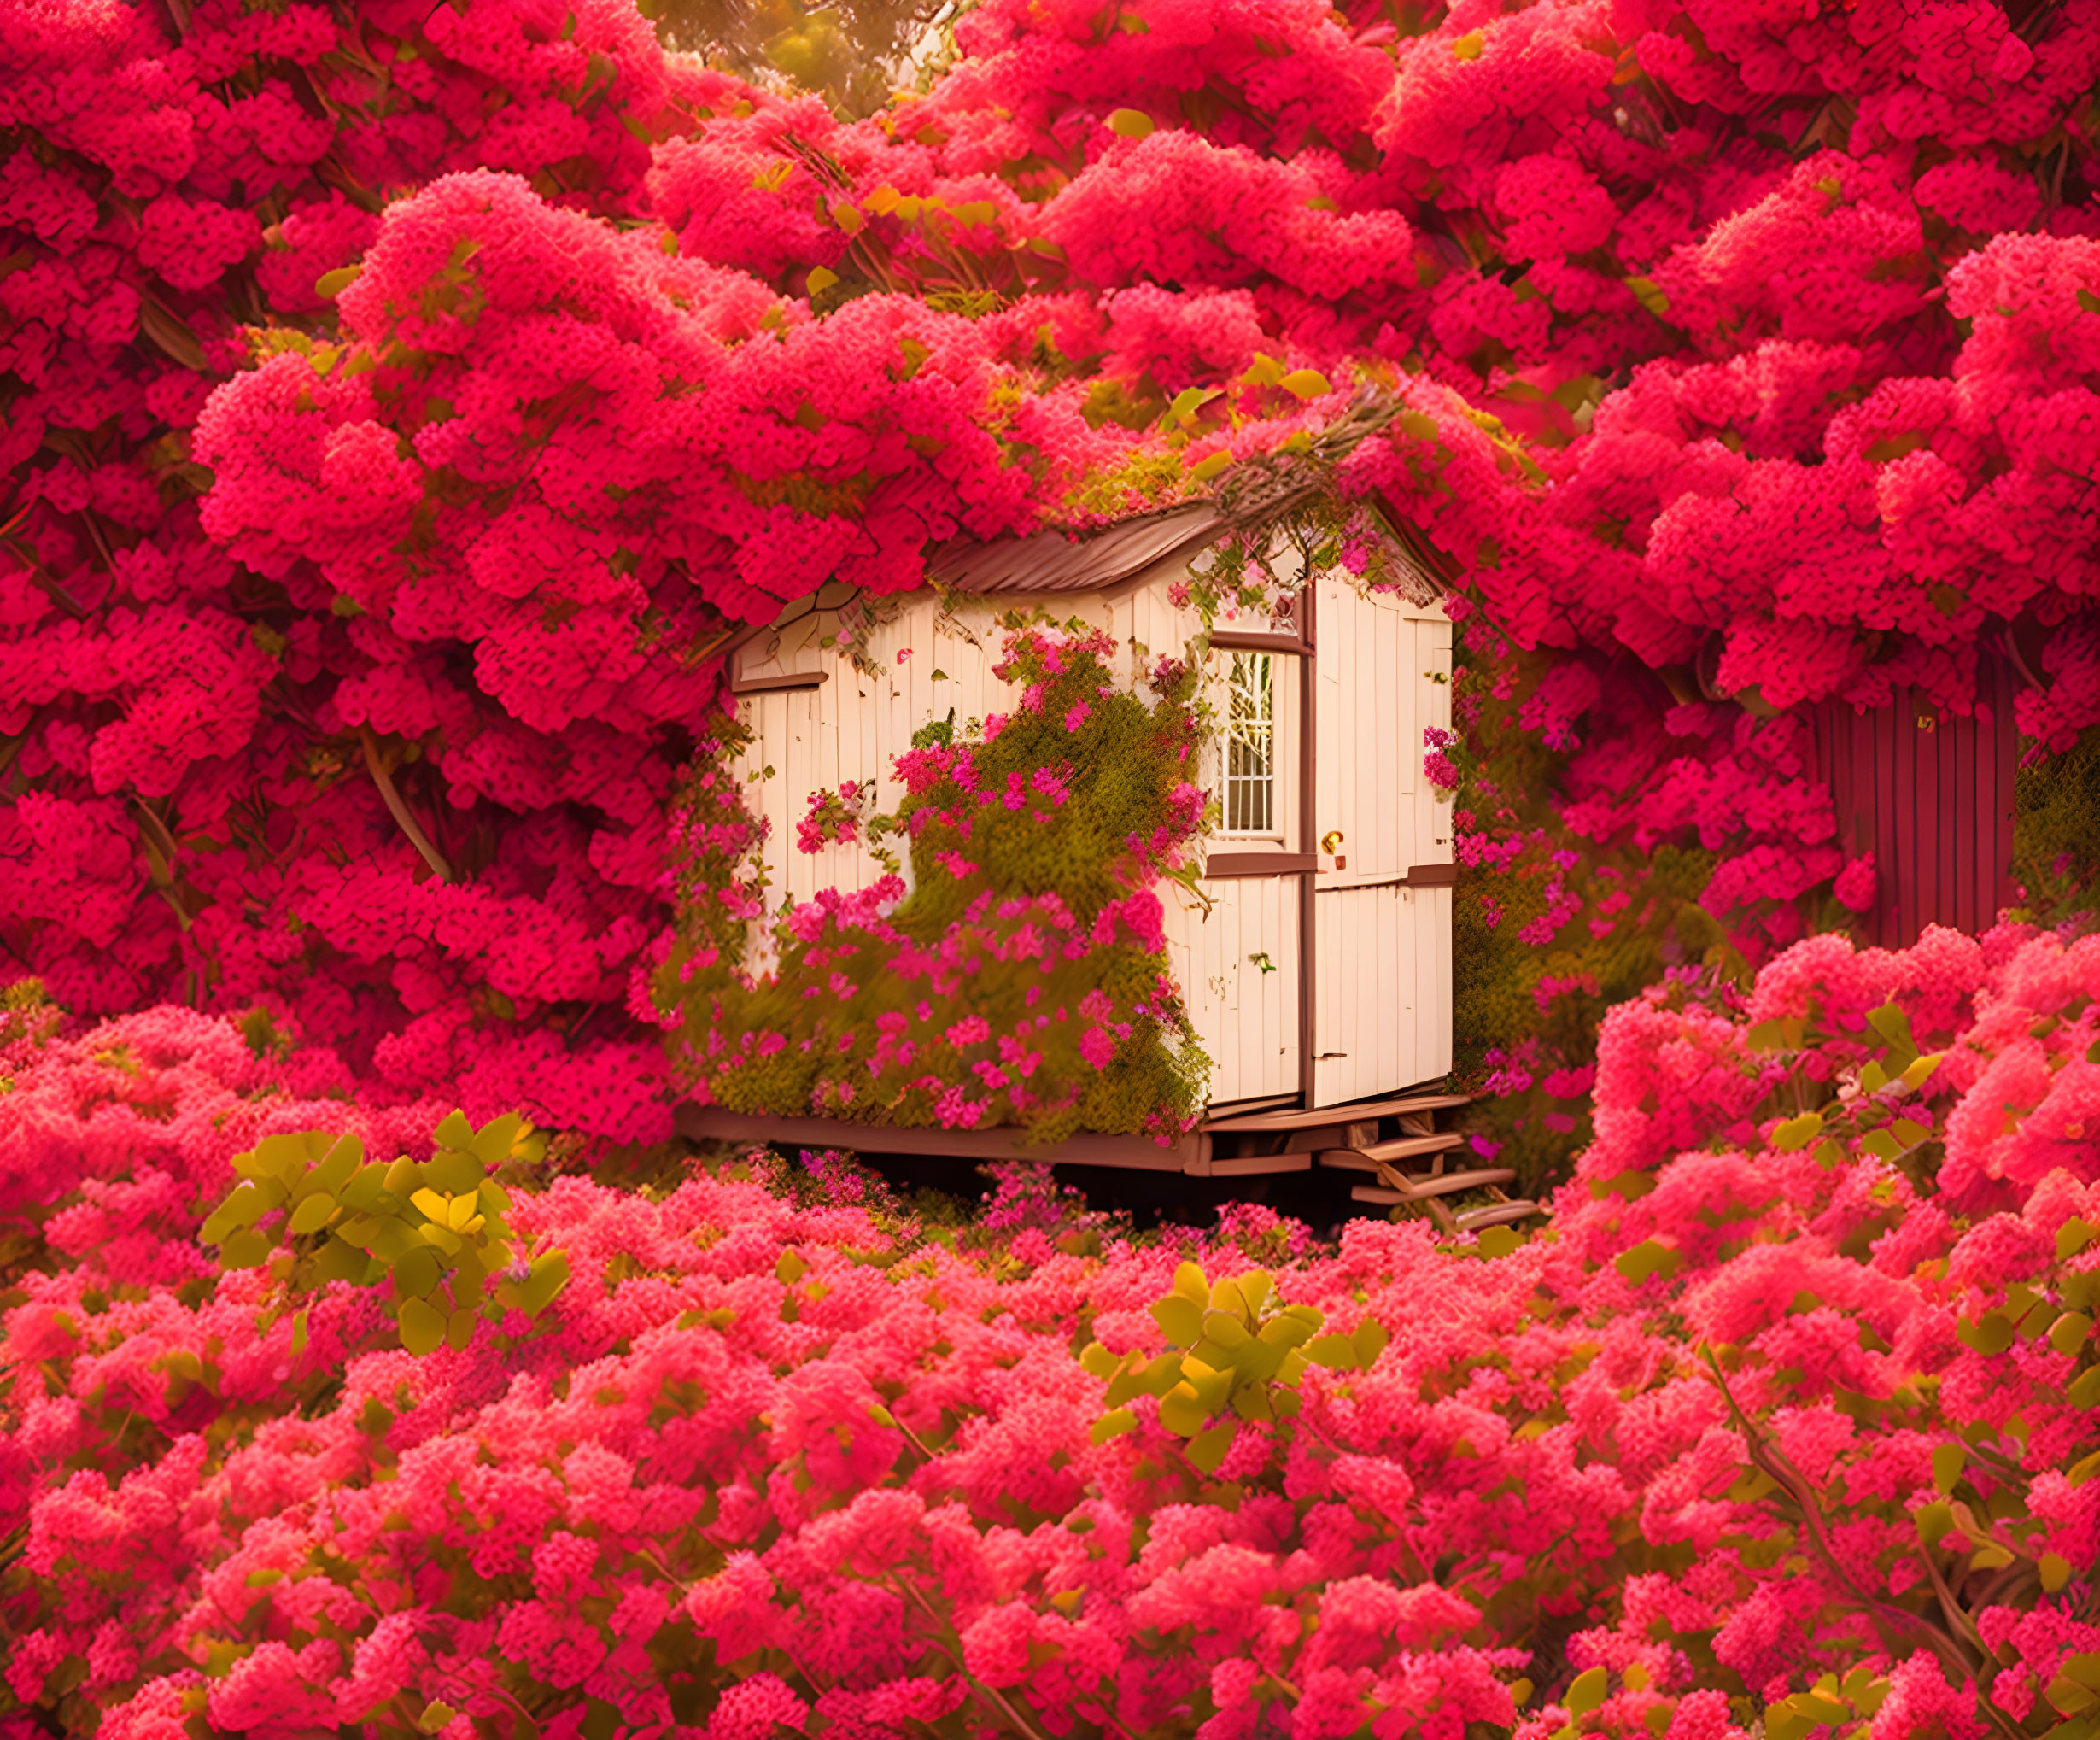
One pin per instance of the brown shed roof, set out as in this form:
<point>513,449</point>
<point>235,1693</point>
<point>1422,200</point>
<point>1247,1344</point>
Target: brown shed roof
<point>1055,561</point>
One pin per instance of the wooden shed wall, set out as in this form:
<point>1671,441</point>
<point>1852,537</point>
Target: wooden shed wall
<point>1390,979</point>
<point>1931,794</point>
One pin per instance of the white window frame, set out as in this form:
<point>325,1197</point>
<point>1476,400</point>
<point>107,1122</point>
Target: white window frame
<point>1248,788</point>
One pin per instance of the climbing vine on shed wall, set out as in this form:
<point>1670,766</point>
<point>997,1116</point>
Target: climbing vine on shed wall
<point>1022,980</point>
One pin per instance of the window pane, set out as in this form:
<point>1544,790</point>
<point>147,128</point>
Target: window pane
<point>1250,738</point>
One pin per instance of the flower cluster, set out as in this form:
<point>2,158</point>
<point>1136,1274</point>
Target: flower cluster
<point>1809,1333</point>
<point>400,409</point>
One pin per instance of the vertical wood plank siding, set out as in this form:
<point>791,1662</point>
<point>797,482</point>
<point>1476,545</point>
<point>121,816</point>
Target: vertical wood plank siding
<point>1931,795</point>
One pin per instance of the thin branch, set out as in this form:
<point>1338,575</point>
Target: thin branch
<point>397,809</point>
<point>988,1693</point>
<point>1777,1467</point>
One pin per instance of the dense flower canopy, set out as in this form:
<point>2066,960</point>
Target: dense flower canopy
<point>1753,346</point>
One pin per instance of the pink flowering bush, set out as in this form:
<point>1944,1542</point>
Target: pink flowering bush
<point>401,408</point>
<point>1786,1415</point>
<point>1023,980</point>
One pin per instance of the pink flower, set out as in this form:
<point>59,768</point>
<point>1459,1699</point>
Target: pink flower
<point>1854,886</point>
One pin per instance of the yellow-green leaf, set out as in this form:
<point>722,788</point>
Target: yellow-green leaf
<point>1585,1693</point>
<point>790,1268</point>
<point>1208,1448</point>
<point>1468,47</point>
<point>1113,1424</point>
<point>1993,1334</point>
<point>423,1326</point>
<point>822,279</point>
<point>1910,1134</point>
<point>2055,1571</point>
<point>1948,1461</point>
<point>1935,1521</point>
<point>2072,1237</point>
<point>1798,1132</point>
<point>1334,1353</point>
<point>1205,469</point>
<point>1305,383</point>
<point>246,1249</point>
<point>331,285</point>
<point>1130,123</point>
<point>1098,1362</point>
<point>312,1215</point>
<point>1180,1413</point>
<point>1494,1242</point>
<point>1180,1319</point>
<point>1648,1258</point>
<point>1920,1069</point>
<point>2068,1332</point>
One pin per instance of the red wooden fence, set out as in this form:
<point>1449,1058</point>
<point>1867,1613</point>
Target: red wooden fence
<point>1930,795</point>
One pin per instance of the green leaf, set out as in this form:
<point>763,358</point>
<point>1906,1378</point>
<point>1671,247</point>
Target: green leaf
<point>312,1215</point>
<point>1208,1448</point>
<point>299,1333</point>
<point>1180,1319</point>
<point>790,1267</point>
<point>1908,1133</point>
<point>246,1249</point>
<point>822,279</point>
<point>2084,1390</point>
<point>453,1170</point>
<point>1948,1461</point>
<point>416,1272</point>
<point>1935,1521</point>
<point>329,285</point>
<point>550,1275</point>
<point>1921,1068</point>
<point>423,1326</point>
<point>1305,383</point>
<point>1650,295</point>
<point>1893,1022</point>
<point>1181,1412</point>
<point>1368,1341</point>
<point>1585,1693</point>
<point>1113,1424</point>
<point>1188,400</point>
<point>1798,1132</point>
<point>1205,469</point>
<point>1098,1362</point>
<point>2068,1332</point>
<point>1334,1353</point>
<point>2055,1571</point>
<point>1494,1242</point>
<point>1130,123</point>
<point>1648,1258</point>
<point>1992,1334</point>
<point>2072,1237</point>
<point>2089,301</point>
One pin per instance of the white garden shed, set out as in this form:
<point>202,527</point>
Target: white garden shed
<point>1319,977</point>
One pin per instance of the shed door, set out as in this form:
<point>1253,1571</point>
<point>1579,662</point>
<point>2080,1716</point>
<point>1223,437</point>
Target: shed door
<point>1382,973</point>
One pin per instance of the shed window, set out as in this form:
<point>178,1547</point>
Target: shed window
<point>1250,746</point>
